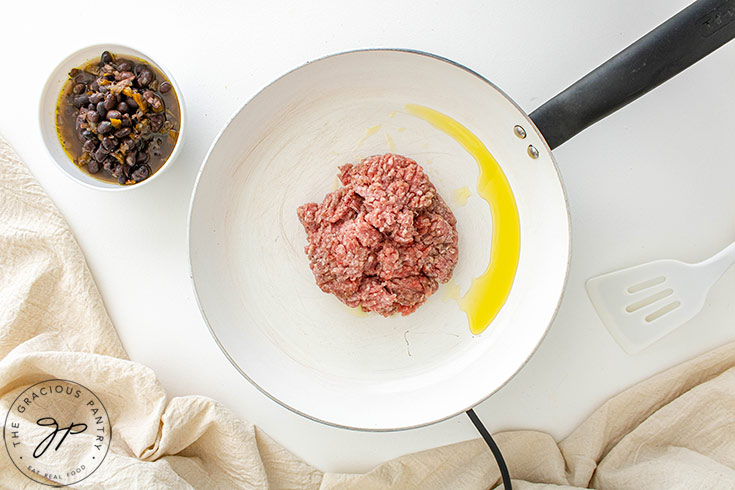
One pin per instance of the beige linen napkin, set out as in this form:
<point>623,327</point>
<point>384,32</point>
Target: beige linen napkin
<point>673,431</point>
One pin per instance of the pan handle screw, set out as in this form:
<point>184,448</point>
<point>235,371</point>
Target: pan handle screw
<point>532,152</point>
<point>519,131</point>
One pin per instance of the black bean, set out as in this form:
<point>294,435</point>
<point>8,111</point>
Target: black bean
<point>142,157</point>
<point>109,143</point>
<point>89,135</point>
<point>93,166</point>
<point>117,171</point>
<point>126,121</point>
<point>101,109</point>
<point>123,107</point>
<point>96,98</point>
<point>104,127</point>
<point>80,78</point>
<point>122,180</point>
<point>131,102</point>
<point>131,158</point>
<point>104,89</point>
<point>93,117</point>
<point>164,87</point>
<point>100,154</point>
<point>79,88</point>
<point>106,57</point>
<point>144,78</point>
<point>91,107</point>
<point>80,100</point>
<point>157,104</point>
<point>122,132</point>
<point>110,101</point>
<point>94,86</point>
<point>113,114</point>
<point>157,122</point>
<point>125,65</point>
<point>128,143</point>
<point>90,146</point>
<point>140,172</point>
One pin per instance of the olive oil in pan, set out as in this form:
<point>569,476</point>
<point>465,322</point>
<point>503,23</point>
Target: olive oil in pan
<point>489,291</point>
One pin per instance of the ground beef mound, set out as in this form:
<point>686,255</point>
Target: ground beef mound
<point>385,240</point>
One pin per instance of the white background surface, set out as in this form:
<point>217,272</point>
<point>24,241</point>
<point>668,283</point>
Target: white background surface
<point>654,180</point>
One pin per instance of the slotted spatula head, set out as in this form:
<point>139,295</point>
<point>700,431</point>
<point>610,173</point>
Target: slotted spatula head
<point>641,304</point>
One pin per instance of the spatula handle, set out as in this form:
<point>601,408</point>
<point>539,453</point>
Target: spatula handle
<point>673,46</point>
<point>721,261</point>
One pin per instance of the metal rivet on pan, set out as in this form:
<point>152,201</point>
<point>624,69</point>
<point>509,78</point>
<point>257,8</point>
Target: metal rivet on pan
<point>532,152</point>
<point>519,131</point>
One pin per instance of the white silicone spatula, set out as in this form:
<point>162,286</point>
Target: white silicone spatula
<point>641,304</point>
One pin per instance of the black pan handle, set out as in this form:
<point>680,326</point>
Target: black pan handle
<point>672,47</point>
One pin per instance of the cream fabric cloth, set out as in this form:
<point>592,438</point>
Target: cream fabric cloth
<point>674,431</point>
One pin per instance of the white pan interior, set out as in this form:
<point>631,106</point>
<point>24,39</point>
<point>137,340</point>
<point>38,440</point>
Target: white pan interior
<point>303,347</point>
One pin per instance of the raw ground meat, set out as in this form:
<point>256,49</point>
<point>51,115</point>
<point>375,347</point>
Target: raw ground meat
<point>385,240</point>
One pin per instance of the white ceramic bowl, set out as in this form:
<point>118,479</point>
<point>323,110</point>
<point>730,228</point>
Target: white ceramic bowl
<point>47,115</point>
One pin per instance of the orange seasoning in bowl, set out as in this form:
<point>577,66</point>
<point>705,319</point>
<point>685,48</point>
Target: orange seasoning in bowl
<point>118,118</point>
